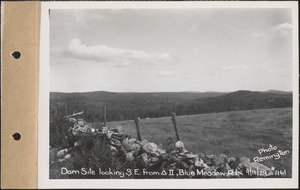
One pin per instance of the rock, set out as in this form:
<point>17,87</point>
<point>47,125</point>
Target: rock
<point>155,154</point>
<point>74,130</point>
<point>125,144</point>
<point>116,142</point>
<point>153,159</point>
<point>164,156</point>
<point>77,144</point>
<point>161,151</point>
<point>109,134</point>
<point>80,123</point>
<point>104,129</point>
<point>209,169</point>
<point>98,131</point>
<point>136,146</point>
<point>143,142</point>
<point>67,156</point>
<point>150,147</point>
<point>144,156</point>
<point>226,167</point>
<point>88,129</point>
<point>180,146</point>
<point>144,161</point>
<point>233,162</point>
<point>201,155</point>
<point>210,159</point>
<point>129,145</point>
<point>117,129</point>
<point>62,152</point>
<point>113,136</point>
<point>200,163</point>
<point>78,129</point>
<point>137,152</point>
<point>113,149</point>
<point>132,140</point>
<point>205,165</point>
<point>211,156</point>
<point>231,159</point>
<point>73,120</point>
<point>129,156</point>
<point>242,161</point>
<point>178,157</point>
<point>189,156</point>
<point>220,160</point>
<point>273,168</point>
<point>61,160</point>
<point>190,162</point>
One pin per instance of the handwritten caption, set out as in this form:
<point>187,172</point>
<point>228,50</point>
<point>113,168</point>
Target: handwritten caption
<point>265,173</point>
<point>273,153</point>
<point>143,172</point>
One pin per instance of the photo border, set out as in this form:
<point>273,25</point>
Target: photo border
<point>43,112</point>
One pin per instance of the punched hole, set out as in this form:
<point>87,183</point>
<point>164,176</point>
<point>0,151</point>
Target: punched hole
<point>16,136</point>
<point>16,54</point>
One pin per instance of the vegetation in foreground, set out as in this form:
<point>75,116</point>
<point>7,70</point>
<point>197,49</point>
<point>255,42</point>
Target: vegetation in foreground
<point>239,133</point>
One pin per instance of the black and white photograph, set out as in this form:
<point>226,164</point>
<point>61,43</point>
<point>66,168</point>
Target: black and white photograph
<point>171,93</point>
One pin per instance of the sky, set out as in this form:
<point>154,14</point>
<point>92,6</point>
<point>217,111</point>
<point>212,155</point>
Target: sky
<point>170,50</point>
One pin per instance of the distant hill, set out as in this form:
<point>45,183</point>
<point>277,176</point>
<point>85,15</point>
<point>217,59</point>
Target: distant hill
<point>121,106</point>
<point>277,92</point>
<point>234,101</point>
<point>124,106</point>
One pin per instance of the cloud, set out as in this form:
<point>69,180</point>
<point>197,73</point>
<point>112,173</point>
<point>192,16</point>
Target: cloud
<point>279,30</point>
<point>116,56</point>
<point>235,67</point>
<point>164,73</point>
<point>282,27</point>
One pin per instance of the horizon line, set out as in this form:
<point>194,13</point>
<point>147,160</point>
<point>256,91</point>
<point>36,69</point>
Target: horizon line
<point>191,91</point>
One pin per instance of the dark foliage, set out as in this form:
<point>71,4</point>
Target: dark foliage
<point>126,106</point>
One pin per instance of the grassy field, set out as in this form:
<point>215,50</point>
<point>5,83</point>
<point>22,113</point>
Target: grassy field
<point>235,133</point>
